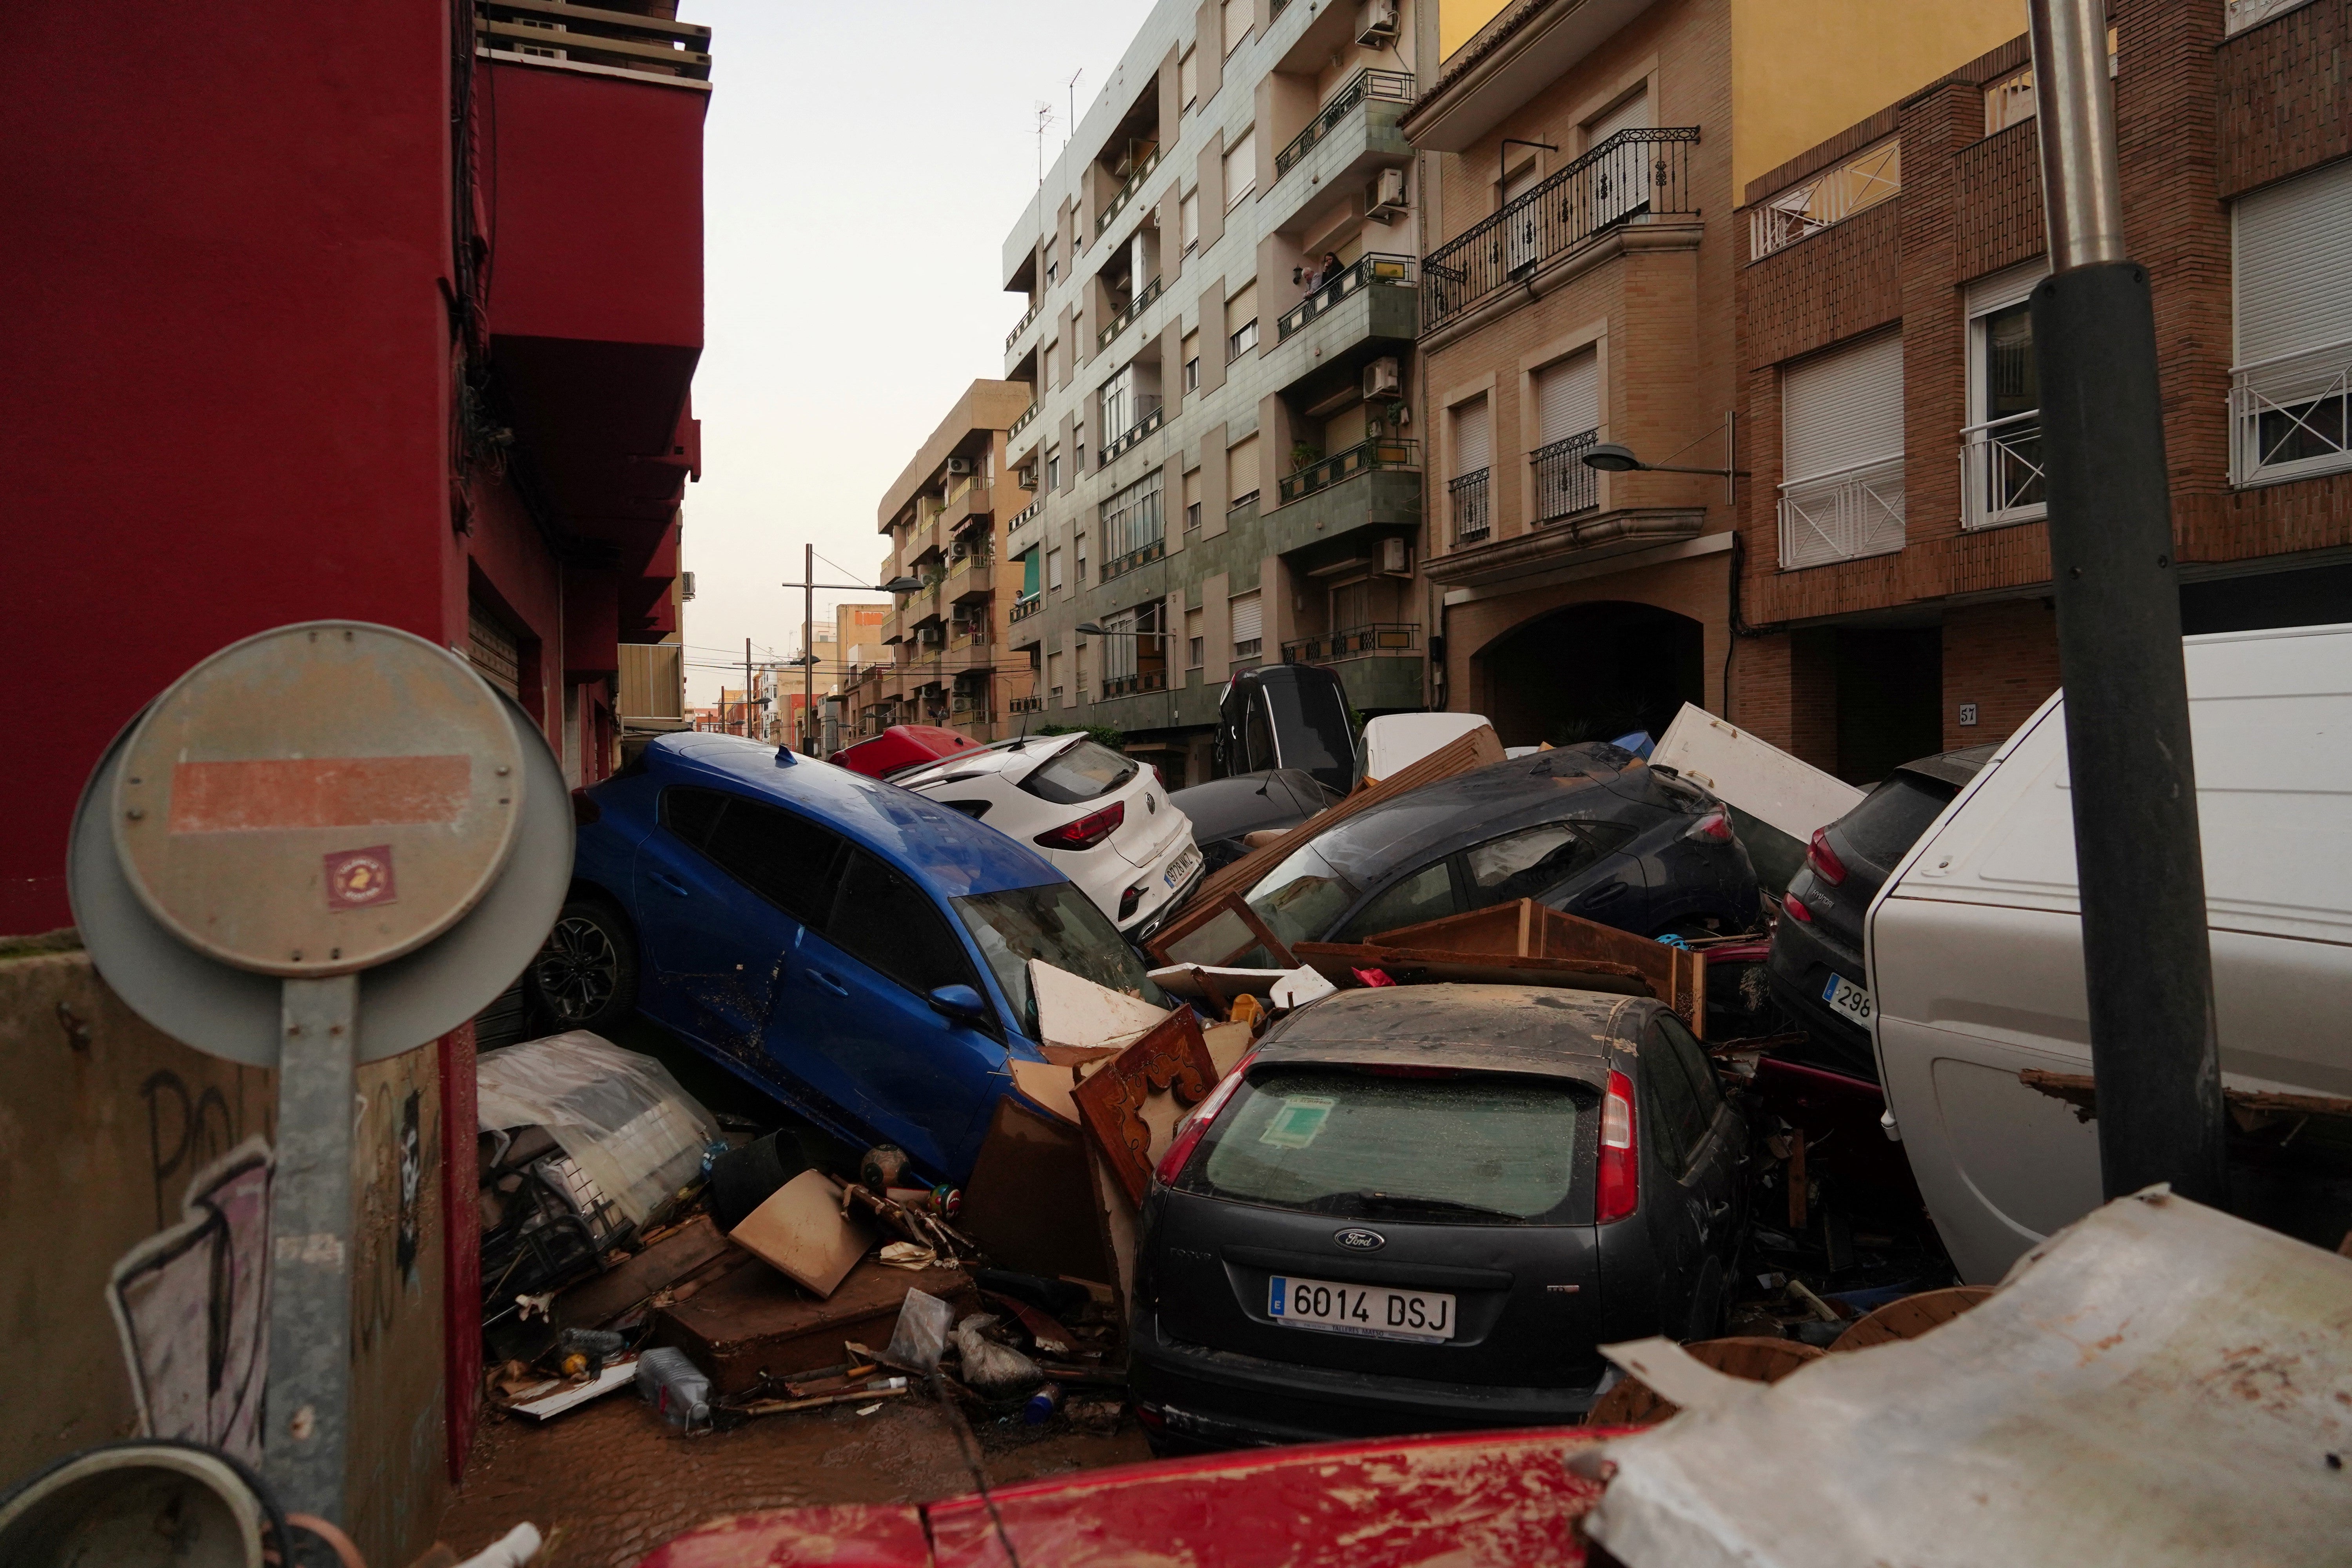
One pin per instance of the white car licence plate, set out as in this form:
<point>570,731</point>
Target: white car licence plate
<point>1181,867</point>
<point>1374,1309</point>
<point>1844,997</point>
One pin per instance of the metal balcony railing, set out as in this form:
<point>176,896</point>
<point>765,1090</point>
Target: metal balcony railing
<point>1843,515</point>
<point>1021,420</point>
<point>1036,308</point>
<point>1025,609</point>
<point>651,46</point>
<point>2001,471</point>
<point>1388,271</point>
<point>1465,499</point>
<point>1026,705</point>
<point>1125,193</point>
<point>1375,638</point>
<point>1634,174</point>
<point>1026,513</point>
<point>1153,418</point>
<point>1865,180</point>
<point>1125,318</point>
<point>1142,555</point>
<point>1565,483</point>
<point>2292,416</point>
<point>1129,684</point>
<point>1380,452</point>
<point>1395,86</point>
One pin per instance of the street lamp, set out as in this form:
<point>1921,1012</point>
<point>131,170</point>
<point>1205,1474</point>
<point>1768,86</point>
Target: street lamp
<point>902,584</point>
<point>1096,629</point>
<point>1612,458</point>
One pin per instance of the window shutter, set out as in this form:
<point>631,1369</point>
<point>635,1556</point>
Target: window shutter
<point>1842,408</point>
<point>1234,22</point>
<point>1240,169</point>
<point>1567,395</point>
<point>1633,114</point>
<point>1249,622</point>
<point>1241,469</point>
<point>1241,308</point>
<point>2294,265</point>
<point>1473,445</point>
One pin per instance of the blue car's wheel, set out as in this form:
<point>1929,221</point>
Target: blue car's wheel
<point>586,972</point>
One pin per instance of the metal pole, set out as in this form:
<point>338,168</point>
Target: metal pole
<point>2147,962</point>
<point>747,689</point>
<point>308,1406</point>
<point>808,645</point>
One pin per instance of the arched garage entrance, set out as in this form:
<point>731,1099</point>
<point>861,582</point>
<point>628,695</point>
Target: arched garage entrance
<point>1591,673</point>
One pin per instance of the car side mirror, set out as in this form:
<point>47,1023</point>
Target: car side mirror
<point>962,1005</point>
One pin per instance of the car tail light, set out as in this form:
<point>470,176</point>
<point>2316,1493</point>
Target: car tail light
<point>1715,828</point>
<point>1129,898</point>
<point>1188,1136</point>
<point>585,810</point>
<point>1823,859</point>
<point>1086,831</point>
<point>1620,1152</point>
<point>1794,908</point>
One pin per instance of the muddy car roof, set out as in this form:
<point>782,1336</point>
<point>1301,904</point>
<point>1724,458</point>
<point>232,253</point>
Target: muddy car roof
<point>1489,1028</point>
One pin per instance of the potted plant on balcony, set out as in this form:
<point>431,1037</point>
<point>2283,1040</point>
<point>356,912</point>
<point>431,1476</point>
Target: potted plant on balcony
<point>1303,455</point>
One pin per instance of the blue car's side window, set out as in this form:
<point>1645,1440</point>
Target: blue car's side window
<point>691,813</point>
<point>882,918</point>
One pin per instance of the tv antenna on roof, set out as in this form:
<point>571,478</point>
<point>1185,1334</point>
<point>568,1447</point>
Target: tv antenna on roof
<point>1044,119</point>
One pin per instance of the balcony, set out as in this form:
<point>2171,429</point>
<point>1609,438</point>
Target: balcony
<point>1021,421</point>
<point>654,47</point>
<point>1467,502</point>
<point>1134,685</point>
<point>1128,440</point>
<point>1865,180</point>
<point>1378,664</point>
<point>1125,318</point>
<point>1026,705</point>
<point>1633,176</point>
<point>973,501</point>
<point>2291,418</point>
<point>1125,193</point>
<point>1028,317</point>
<point>1842,516</point>
<point>1336,519</point>
<point>1026,514</point>
<point>2001,471</point>
<point>1393,87</point>
<point>1375,270</point>
<point>970,708</point>
<point>1119,566</point>
<point>1382,452</point>
<point>1565,484</point>
<point>971,577</point>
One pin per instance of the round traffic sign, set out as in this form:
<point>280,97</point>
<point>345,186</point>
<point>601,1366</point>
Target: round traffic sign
<point>318,799</point>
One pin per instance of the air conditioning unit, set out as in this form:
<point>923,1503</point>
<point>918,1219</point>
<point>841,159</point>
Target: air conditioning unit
<point>928,636</point>
<point>686,585</point>
<point>1396,555</point>
<point>958,466</point>
<point>1375,23</point>
<point>1382,378</point>
<point>1384,197</point>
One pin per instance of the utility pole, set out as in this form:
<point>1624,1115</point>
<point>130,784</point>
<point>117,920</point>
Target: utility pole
<point>808,645</point>
<point>2147,959</point>
<point>747,689</point>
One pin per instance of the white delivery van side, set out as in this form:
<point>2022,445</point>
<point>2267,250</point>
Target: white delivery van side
<point>1974,946</point>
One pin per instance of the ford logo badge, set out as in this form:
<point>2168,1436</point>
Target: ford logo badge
<point>1361,1240</point>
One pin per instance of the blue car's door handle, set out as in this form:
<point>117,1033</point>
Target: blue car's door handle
<point>673,884</point>
<point>828,981</point>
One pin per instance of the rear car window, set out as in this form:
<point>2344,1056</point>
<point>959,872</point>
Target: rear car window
<point>1313,722</point>
<point>785,858</point>
<point>1891,817</point>
<point>882,918</point>
<point>1458,1148</point>
<point>1059,924</point>
<point>1084,772</point>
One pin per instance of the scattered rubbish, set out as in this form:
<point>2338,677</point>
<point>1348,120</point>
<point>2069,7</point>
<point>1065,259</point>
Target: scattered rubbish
<point>754,1326</point>
<point>742,1179</point>
<point>1633,1402</point>
<point>1221,930</point>
<point>1130,1107</point>
<point>1908,1316</point>
<point>989,1368</point>
<point>518,1547</point>
<point>801,1231</point>
<point>587,1351</point>
<point>921,1336</point>
<point>906,1255</point>
<point>871,1409</point>
<point>1395,741</point>
<point>1030,1203</point>
<point>620,1117</point>
<point>566,1395</point>
<point>664,1264</point>
<point>677,1389</point>
<point>1062,1298</point>
<point>1078,1020</point>
<point>2158,1385</point>
<point>880,1169</point>
<point>1041,1404</point>
<point>1776,800</point>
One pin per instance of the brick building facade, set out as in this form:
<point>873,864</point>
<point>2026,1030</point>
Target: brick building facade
<point>1894,568</point>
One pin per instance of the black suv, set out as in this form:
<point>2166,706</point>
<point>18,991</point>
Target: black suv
<point>1422,1208</point>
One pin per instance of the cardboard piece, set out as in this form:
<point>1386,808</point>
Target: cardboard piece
<point>1526,943</point>
<point>1049,1084</point>
<point>1130,1107</point>
<point>1227,1045</point>
<point>1074,1014</point>
<point>755,1322</point>
<point>1030,1202</point>
<point>802,1233</point>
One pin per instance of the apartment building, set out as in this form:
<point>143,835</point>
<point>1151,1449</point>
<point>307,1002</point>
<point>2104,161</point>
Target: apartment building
<point>1577,164</point>
<point>1895,580</point>
<point>1220,310</point>
<point>945,518</point>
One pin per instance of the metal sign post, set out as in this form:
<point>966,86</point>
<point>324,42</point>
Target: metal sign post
<point>305,854</point>
<point>2146,955</point>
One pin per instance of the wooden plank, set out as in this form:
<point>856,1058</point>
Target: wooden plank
<point>1129,1107</point>
<point>1181,941</point>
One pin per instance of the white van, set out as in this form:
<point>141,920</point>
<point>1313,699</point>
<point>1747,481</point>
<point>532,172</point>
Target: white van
<point>1974,946</point>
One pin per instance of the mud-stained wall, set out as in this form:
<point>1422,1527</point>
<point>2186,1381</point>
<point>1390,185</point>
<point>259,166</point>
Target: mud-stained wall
<point>104,1123</point>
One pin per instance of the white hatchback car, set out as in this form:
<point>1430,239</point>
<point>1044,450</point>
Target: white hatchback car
<point>1103,819</point>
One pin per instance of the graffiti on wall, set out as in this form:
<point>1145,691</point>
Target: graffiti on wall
<point>192,1305</point>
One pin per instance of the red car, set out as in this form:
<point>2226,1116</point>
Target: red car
<point>902,746</point>
<point>1468,1500</point>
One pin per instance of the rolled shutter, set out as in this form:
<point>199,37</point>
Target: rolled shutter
<point>1249,621</point>
<point>1567,395</point>
<point>2294,265</point>
<point>1633,114</point>
<point>1841,409</point>
<point>1242,479</point>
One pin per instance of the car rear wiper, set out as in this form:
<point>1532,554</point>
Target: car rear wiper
<point>1406,1203</point>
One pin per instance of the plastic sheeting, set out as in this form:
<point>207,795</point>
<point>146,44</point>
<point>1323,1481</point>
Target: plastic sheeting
<point>620,1116</point>
<point>2158,1384</point>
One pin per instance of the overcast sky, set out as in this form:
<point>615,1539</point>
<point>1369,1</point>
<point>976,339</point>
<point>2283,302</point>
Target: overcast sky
<point>862,165</point>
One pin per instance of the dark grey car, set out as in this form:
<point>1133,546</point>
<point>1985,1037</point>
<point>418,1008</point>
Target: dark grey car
<point>1224,811</point>
<point>1420,1208</point>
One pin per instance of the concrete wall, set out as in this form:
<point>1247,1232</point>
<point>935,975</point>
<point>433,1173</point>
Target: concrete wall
<point>104,1123</point>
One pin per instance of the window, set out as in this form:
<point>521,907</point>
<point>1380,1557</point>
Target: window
<point>1054,570</point>
<point>1188,78</point>
<point>2000,450</point>
<point>1191,371</point>
<point>1568,420</point>
<point>1841,453</point>
<point>1087,771</point>
<point>1193,641</point>
<point>1053,273</point>
<point>1682,1089</point>
<point>1118,648</point>
<point>2291,392</point>
<point>1081,543</point>
<point>1427,895</point>
<point>1079,439</point>
<point>1135,518</point>
<point>1054,675</point>
<point>1234,22</point>
<point>1241,322</point>
<point>1189,219</point>
<point>1241,170</point>
<point>1620,184</point>
<point>1242,478</point>
<point>1249,628</point>
<point>1192,499</point>
<point>1060,925</point>
<point>2010,98</point>
<point>1533,861</point>
<point>1118,401</point>
<point>785,858</point>
<point>1193,515</point>
<point>1053,467</point>
<point>1466,492</point>
<point>881,917</point>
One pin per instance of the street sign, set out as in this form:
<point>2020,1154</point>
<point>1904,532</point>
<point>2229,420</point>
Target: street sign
<point>318,799</point>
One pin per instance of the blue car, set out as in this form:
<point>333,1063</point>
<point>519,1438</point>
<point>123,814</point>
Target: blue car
<point>855,949</point>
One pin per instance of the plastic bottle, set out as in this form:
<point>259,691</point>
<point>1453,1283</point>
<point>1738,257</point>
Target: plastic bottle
<point>1041,1404</point>
<point>674,1386</point>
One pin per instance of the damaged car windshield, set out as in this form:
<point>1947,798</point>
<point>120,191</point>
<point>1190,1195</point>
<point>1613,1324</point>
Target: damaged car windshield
<point>1061,925</point>
<point>1471,1147</point>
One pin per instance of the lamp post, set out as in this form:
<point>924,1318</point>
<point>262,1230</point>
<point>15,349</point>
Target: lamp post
<point>1612,458</point>
<point>808,585</point>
